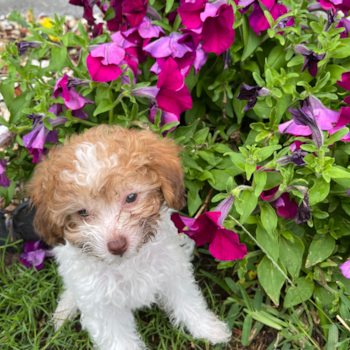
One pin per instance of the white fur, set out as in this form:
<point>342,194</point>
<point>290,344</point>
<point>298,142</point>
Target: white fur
<point>107,294</point>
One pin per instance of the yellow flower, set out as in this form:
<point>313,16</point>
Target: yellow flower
<point>46,23</point>
<point>252,275</point>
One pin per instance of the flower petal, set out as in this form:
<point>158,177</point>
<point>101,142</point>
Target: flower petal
<point>101,73</point>
<point>345,269</point>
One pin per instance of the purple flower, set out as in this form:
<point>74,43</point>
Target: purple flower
<point>134,11</point>
<point>97,30</point>
<point>297,158</point>
<point>4,181</point>
<point>25,45</point>
<point>88,9</point>
<point>250,94</point>
<point>166,118</point>
<point>345,81</point>
<point>34,254</point>
<point>342,5</point>
<point>310,119</point>
<point>218,33</point>
<point>207,228</point>
<point>304,211</point>
<point>344,23</point>
<point>103,62</point>
<point>344,119</point>
<point>190,13</point>
<point>72,99</point>
<point>345,269</point>
<point>311,59</point>
<point>348,194</point>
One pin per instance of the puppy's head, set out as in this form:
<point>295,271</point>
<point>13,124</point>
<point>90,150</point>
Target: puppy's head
<point>103,190</point>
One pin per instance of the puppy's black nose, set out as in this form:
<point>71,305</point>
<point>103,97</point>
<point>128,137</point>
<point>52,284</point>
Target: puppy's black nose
<point>117,247</point>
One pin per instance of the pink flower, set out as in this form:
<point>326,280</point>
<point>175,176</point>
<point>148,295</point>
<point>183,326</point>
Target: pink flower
<point>134,11</point>
<point>173,95</point>
<point>4,181</point>
<point>72,99</point>
<point>345,81</point>
<point>344,119</point>
<point>345,269</point>
<point>34,254</point>
<point>342,5</point>
<point>88,9</point>
<point>218,33</point>
<point>207,228</point>
<point>344,23</point>
<point>190,13</point>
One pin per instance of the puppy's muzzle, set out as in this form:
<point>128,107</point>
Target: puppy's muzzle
<point>118,247</point>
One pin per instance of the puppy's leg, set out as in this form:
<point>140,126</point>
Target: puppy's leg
<point>112,329</point>
<point>183,301</point>
<point>66,308</point>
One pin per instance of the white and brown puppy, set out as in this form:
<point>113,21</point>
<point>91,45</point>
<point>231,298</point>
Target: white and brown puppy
<point>100,201</point>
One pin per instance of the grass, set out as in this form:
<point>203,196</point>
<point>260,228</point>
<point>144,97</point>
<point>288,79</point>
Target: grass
<point>28,297</point>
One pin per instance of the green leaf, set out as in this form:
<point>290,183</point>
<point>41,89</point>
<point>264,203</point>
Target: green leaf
<point>110,14</point>
<point>266,152</point>
<point>8,92</point>
<point>250,38</point>
<point>169,5</point>
<point>169,126</point>
<point>291,255</point>
<point>270,244</point>
<point>186,131</point>
<point>237,159</point>
<point>337,172</point>
<point>271,279</point>
<point>59,54</point>
<point>201,136</point>
<point>296,61</point>
<point>268,218</point>
<point>104,106</point>
<point>247,326</point>
<point>249,202</point>
<point>8,192</point>
<point>16,107</point>
<point>337,136</point>
<point>302,292</point>
<point>225,264</point>
<point>273,180</point>
<point>276,58</point>
<point>221,177</point>
<point>260,178</point>
<point>190,162</point>
<point>319,191</point>
<point>320,249</point>
<point>333,336</point>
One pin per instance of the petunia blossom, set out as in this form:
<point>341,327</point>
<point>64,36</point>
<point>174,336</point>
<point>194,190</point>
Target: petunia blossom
<point>4,181</point>
<point>88,9</point>
<point>207,228</point>
<point>34,254</point>
<point>345,269</point>
<point>72,99</point>
<point>166,117</point>
<point>250,94</point>
<point>311,59</point>
<point>344,23</point>
<point>217,33</point>
<point>25,45</point>
<point>297,158</point>
<point>345,81</point>
<point>342,5</point>
<point>190,13</point>
<point>134,11</point>
<point>103,62</point>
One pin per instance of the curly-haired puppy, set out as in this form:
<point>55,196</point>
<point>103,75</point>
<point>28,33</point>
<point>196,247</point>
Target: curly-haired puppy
<point>103,201</point>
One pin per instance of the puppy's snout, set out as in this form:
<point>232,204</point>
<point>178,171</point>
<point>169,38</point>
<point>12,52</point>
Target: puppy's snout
<point>117,247</point>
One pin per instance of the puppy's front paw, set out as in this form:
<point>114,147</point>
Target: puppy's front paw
<point>212,329</point>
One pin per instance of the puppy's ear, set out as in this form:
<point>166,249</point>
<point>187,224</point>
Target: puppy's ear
<point>40,190</point>
<point>166,162</point>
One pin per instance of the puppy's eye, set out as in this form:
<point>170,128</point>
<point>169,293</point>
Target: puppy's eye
<point>131,198</point>
<point>83,213</point>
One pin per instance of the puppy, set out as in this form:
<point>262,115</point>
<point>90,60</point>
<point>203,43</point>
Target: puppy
<point>103,200</point>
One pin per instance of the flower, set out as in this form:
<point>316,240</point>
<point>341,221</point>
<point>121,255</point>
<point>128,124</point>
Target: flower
<point>88,9</point>
<point>297,158</point>
<point>207,228</point>
<point>345,81</point>
<point>344,23</point>
<point>34,254</point>
<point>311,59</point>
<point>345,269</point>
<point>304,211</point>
<point>166,118</point>
<point>134,11</point>
<point>344,119</point>
<point>310,119</point>
<point>173,95</point>
<point>190,13</point>
<point>217,33</point>
<point>4,181</point>
<point>5,135</point>
<point>251,93</point>
<point>72,99</point>
<point>342,5</point>
<point>102,62</point>
<point>46,23</point>
<point>97,30</point>
<point>25,45</point>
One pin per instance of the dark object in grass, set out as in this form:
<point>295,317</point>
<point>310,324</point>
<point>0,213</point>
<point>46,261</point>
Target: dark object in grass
<point>22,227</point>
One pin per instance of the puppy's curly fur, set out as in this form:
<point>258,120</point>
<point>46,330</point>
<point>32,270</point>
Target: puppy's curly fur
<point>82,193</point>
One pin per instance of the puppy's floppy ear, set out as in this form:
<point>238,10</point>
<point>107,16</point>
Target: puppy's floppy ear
<point>166,162</point>
<point>40,189</point>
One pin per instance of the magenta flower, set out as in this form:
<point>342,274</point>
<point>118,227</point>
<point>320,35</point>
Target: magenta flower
<point>344,23</point>
<point>4,181</point>
<point>88,9</point>
<point>345,81</point>
<point>173,95</point>
<point>97,30</point>
<point>311,59</point>
<point>218,33</point>
<point>308,120</point>
<point>250,94</point>
<point>102,62</point>
<point>207,228</point>
<point>134,11</point>
<point>345,269</point>
<point>190,13</point>
<point>342,5</point>
<point>344,119</point>
<point>166,118</point>
<point>297,158</point>
<point>72,99</point>
<point>34,254</point>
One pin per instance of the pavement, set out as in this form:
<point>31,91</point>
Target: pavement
<point>48,7</point>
